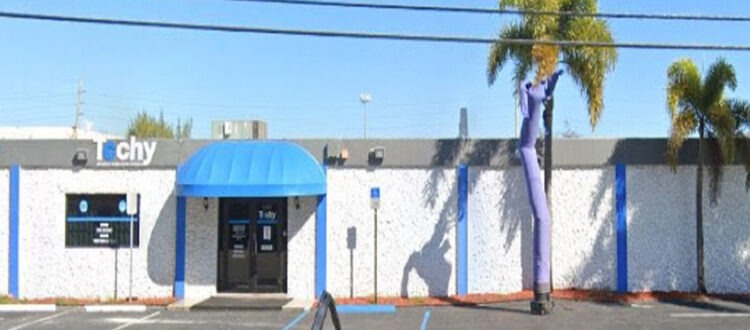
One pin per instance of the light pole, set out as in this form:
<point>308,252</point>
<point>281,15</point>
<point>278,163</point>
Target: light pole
<point>365,98</point>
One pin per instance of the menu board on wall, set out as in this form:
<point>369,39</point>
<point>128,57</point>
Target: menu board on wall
<point>99,220</point>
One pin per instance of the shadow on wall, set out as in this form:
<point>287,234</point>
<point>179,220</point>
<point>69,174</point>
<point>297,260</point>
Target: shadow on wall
<point>661,218</point>
<point>161,245</point>
<point>430,262</point>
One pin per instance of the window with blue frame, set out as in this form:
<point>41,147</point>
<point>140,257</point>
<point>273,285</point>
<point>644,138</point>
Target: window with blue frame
<point>99,220</point>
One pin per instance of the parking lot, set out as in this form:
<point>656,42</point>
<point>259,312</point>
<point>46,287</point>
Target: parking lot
<point>567,315</point>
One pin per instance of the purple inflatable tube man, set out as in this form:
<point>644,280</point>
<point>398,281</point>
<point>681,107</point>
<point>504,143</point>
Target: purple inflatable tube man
<point>531,98</point>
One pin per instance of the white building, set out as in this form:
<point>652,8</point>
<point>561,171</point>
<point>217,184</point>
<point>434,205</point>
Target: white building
<point>295,218</point>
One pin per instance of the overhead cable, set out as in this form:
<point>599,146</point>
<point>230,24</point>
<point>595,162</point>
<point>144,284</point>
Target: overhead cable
<point>472,10</point>
<point>364,35</point>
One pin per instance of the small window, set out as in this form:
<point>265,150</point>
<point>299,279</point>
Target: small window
<point>99,220</point>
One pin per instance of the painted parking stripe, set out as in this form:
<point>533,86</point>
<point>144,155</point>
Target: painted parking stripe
<point>296,320</point>
<point>115,308</point>
<point>705,315</point>
<point>21,326</point>
<point>28,308</point>
<point>136,321</point>
<point>365,309</point>
<point>425,320</point>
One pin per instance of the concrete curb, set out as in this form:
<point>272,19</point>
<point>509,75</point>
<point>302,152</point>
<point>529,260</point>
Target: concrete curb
<point>302,304</point>
<point>185,304</point>
<point>28,308</point>
<point>114,308</point>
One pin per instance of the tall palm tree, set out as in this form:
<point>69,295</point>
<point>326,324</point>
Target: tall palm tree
<point>698,104</point>
<point>587,66</point>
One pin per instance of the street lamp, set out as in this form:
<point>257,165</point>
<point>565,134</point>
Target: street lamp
<point>365,98</point>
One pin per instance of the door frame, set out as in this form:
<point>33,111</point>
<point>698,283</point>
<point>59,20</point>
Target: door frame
<point>222,276</point>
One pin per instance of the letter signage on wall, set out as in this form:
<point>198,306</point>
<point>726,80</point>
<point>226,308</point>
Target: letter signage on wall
<point>99,220</point>
<point>131,152</point>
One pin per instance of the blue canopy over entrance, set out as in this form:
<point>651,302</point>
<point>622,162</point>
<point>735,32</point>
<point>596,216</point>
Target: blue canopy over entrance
<point>251,169</point>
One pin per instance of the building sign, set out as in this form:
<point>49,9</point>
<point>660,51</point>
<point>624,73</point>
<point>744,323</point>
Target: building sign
<point>267,226</point>
<point>99,220</point>
<point>131,152</point>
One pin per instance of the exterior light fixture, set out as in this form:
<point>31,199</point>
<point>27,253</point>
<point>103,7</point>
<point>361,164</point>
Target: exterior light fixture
<point>80,158</point>
<point>205,203</point>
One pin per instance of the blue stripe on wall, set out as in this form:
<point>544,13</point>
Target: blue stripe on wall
<point>320,245</point>
<point>462,231</point>
<point>13,220</point>
<point>179,265</point>
<point>622,228</point>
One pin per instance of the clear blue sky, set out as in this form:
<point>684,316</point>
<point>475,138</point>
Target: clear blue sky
<point>307,87</point>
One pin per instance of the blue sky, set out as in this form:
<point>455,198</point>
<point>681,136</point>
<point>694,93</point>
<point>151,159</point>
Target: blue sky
<point>307,87</point>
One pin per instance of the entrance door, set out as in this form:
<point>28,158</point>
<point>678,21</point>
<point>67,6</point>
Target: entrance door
<point>252,245</point>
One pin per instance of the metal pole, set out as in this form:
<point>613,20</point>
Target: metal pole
<point>365,117</point>
<point>130,286</point>
<point>376,255</point>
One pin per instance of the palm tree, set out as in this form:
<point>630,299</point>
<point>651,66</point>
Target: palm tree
<point>698,104</point>
<point>587,66</point>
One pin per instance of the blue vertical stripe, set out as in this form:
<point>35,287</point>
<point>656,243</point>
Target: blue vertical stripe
<point>320,246</point>
<point>463,232</point>
<point>179,264</point>
<point>622,228</point>
<point>13,220</point>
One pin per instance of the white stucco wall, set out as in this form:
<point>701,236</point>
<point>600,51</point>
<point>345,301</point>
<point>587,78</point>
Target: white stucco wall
<point>4,208</point>
<point>416,224</point>
<point>584,245</point>
<point>661,228</point>
<point>499,231</point>
<point>49,269</point>
<point>727,235</point>
<point>201,248</point>
<point>301,248</point>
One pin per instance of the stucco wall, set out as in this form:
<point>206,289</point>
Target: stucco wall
<point>416,224</point>
<point>584,246</point>
<point>301,248</point>
<point>661,228</point>
<point>727,236</point>
<point>201,247</point>
<point>499,231</point>
<point>49,269</point>
<point>4,199</point>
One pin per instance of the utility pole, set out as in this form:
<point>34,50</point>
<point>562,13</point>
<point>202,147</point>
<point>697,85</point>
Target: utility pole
<point>365,98</point>
<point>79,110</point>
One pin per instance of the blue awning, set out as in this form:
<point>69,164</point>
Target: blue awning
<point>251,169</point>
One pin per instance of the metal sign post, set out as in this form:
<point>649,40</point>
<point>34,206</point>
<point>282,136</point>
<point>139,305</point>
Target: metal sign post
<point>132,210</point>
<point>375,204</point>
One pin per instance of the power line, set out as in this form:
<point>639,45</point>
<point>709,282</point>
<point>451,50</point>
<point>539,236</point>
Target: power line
<point>363,35</point>
<point>472,10</point>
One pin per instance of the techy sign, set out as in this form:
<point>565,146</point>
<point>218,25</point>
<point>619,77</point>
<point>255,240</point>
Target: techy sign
<point>125,153</point>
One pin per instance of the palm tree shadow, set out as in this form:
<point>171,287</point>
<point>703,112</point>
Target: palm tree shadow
<point>432,262</point>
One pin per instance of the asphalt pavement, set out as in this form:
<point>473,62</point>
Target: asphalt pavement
<point>712,315</point>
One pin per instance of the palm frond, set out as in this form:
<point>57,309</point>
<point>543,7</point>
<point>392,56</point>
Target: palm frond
<point>501,52</point>
<point>683,86</point>
<point>740,109</point>
<point>720,76</point>
<point>683,125</point>
<point>588,66</point>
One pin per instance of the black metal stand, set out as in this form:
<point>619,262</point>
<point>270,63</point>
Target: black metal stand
<point>326,303</point>
<point>542,305</point>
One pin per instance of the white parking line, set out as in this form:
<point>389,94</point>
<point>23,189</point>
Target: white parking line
<point>136,321</point>
<point>703,315</point>
<point>21,326</point>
